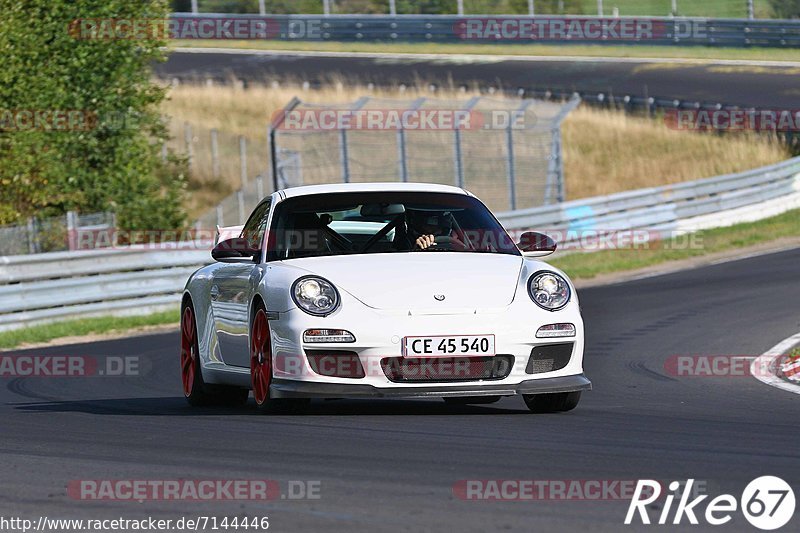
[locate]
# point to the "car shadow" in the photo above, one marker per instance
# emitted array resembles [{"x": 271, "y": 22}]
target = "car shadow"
[{"x": 177, "y": 406}]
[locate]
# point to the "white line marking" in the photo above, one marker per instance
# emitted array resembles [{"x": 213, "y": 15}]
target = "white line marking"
[
  {"x": 762, "y": 367},
  {"x": 490, "y": 58}
]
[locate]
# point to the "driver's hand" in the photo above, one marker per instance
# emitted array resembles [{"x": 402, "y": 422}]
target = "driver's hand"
[{"x": 424, "y": 242}]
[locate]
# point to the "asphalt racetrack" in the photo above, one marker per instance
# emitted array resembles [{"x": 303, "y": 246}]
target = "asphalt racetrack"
[
  {"x": 763, "y": 87},
  {"x": 392, "y": 465}
]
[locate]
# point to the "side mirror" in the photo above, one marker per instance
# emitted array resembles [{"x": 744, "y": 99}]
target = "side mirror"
[
  {"x": 236, "y": 250},
  {"x": 533, "y": 244}
]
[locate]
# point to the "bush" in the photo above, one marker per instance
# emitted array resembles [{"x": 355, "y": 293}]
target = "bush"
[
  {"x": 785, "y": 9},
  {"x": 114, "y": 162}
]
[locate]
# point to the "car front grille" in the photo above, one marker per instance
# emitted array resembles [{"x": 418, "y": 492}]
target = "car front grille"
[
  {"x": 448, "y": 369},
  {"x": 549, "y": 358}
]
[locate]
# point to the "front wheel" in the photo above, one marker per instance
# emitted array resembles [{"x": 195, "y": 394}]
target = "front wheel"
[
  {"x": 196, "y": 391},
  {"x": 552, "y": 403}
]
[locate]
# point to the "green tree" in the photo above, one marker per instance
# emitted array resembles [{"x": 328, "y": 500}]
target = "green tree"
[{"x": 113, "y": 162}]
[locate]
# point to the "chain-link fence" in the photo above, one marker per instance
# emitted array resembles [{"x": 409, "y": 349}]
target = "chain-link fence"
[
  {"x": 506, "y": 151},
  {"x": 54, "y": 234}
]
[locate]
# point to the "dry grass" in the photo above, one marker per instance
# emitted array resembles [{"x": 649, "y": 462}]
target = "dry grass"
[
  {"x": 607, "y": 152},
  {"x": 604, "y": 151}
]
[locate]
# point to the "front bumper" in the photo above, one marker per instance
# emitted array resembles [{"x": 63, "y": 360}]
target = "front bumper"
[{"x": 286, "y": 388}]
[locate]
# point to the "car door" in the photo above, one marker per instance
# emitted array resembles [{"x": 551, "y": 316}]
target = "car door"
[{"x": 232, "y": 291}]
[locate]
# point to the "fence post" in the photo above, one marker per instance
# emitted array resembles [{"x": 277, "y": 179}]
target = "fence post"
[
  {"x": 194, "y": 7},
  {"x": 751, "y": 12},
  {"x": 31, "y": 238},
  {"x": 555, "y": 171},
  {"x": 220, "y": 216},
  {"x": 214, "y": 153},
  {"x": 326, "y": 7},
  {"x": 512, "y": 173},
  {"x": 344, "y": 156},
  {"x": 599, "y": 8},
  {"x": 401, "y": 143},
  {"x": 72, "y": 230},
  {"x": 459, "y": 159},
  {"x": 187, "y": 137},
  {"x": 240, "y": 202},
  {"x": 260, "y": 187},
  {"x": 243, "y": 160}
]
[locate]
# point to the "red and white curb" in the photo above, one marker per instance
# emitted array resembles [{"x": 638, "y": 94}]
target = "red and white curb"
[{"x": 765, "y": 366}]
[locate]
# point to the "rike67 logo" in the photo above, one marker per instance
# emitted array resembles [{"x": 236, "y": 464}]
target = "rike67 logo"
[{"x": 767, "y": 503}]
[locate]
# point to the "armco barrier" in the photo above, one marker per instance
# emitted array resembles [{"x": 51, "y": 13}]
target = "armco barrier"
[
  {"x": 48, "y": 287},
  {"x": 666, "y": 31}
]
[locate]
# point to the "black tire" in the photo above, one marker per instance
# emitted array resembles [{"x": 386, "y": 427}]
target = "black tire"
[
  {"x": 552, "y": 403},
  {"x": 196, "y": 391},
  {"x": 471, "y": 400}
]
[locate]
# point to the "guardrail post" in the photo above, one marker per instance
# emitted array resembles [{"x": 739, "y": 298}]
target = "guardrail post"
[
  {"x": 262, "y": 7},
  {"x": 326, "y": 7},
  {"x": 461, "y": 7},
  {"x": 531, "y": 8},
  {"x": 751, "y": 12},
  {"x": 194, "y": 7},
  {"x": 243, "y": 160},
  {"x": 599, "y": 8},
  {"x": 392, "y": 7},
  {"x": 214, "y": 153}
]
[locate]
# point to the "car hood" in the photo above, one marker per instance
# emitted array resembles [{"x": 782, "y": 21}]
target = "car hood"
[{"x": 417, "y": 281}]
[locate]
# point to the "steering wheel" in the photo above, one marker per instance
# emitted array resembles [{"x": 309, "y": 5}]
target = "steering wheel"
[{"x": 445, "y": 243}]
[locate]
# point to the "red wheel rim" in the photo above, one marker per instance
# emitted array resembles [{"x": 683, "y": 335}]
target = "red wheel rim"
[
  {"x": 188, "y": 352},
  {"x": 260, "y": 357}
]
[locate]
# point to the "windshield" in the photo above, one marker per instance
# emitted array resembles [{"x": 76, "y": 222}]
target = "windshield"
[{"x": 384, "y": 222}]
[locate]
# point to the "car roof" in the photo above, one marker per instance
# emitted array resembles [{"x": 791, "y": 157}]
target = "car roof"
[{"x": 370, "y": 187}]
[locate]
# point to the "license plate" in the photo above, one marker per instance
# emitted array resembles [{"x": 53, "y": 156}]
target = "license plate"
[{"x": 449, "y": 346}]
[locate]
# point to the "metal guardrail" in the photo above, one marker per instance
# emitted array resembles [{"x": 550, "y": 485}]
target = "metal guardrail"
[
  {"x": 667, "y": 31},
  {"x": 65, "y": 285},
  {"x": 662, "y": 209},
  {"x": 56, "y": 286}
]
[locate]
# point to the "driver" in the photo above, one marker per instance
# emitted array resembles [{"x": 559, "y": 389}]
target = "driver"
[{"x": 424, "y": 227}]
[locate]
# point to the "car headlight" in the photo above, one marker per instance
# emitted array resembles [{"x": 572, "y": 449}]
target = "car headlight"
[
  {"x": 315, "y": 295},
  {"x": 549, "y": 290}
]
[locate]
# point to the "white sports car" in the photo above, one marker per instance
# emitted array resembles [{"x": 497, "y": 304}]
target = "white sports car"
[{"x": 380, "y": 290}]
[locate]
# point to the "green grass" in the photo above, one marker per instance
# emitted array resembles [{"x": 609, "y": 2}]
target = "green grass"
[
  {"x": 86, "y": 326},
  {"x": 702, "y": 53},
  {"x": 590, "y": 265},
  {"x": 686, "y": 8}
]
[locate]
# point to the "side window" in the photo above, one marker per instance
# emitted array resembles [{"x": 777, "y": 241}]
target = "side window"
[{"x": 256, "y": 225}]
